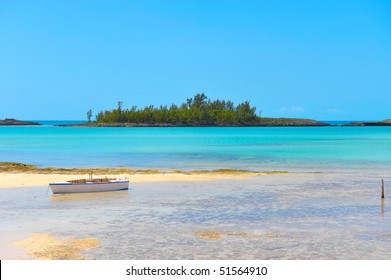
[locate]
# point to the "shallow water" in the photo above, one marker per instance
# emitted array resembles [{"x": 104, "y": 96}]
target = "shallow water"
[{"x": 300, "y": 216}]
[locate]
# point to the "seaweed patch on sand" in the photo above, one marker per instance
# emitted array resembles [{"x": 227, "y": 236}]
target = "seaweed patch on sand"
[
  {"x": 17, "y": 167},
  {"x": 218, "y": 234},
  {"x": 44, "y": 246}
]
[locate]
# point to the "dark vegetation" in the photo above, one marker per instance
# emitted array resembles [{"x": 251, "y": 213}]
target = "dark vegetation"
[{"x": 196, "y": 111}]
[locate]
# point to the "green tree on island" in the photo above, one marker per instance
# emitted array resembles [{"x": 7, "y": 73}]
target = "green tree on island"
[
  {"x": 198, "y": 110},
  {"x": 89, "y": 115}
]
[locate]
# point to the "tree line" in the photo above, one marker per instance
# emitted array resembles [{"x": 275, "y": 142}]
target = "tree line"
[{"x": 198, "y": 110}]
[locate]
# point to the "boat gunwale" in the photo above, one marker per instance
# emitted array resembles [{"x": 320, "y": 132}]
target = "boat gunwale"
[{"x": 87, "y": 182}]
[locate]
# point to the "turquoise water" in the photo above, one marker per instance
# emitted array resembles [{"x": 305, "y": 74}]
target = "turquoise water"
[
  {"x": 254, "y": 148},
  {"x": 336, "y": 213}
]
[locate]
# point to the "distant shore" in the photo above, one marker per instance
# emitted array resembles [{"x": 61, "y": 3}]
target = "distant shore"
[
  {"x": 17, "y": 122},
  {"x": 265, "y": 122},
  {"x": 376, "y": 123},
  {"x": 26, "y": 175}
]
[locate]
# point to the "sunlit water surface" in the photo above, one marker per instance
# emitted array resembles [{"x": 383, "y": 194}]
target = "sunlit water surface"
[{"x": 301, "y": 216}]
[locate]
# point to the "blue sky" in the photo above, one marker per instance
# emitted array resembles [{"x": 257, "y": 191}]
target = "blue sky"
[{"x": 326, "y": 60}]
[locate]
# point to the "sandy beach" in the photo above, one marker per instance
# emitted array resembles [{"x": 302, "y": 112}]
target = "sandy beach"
[
  {"x": 16, "y": 175},
  {"x": 14, "y": 180}
]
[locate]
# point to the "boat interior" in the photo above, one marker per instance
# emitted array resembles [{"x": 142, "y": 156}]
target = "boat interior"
[{"x": 97, "y": 180}]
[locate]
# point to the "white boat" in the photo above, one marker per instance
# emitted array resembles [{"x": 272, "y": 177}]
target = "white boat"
[{"x": 89, "y": 185}]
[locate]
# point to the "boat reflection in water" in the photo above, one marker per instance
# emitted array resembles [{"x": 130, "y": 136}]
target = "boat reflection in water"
[{"x": 92, "y": 199}]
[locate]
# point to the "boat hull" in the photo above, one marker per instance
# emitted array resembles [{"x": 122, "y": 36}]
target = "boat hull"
[{"x": 66, "y": 187}]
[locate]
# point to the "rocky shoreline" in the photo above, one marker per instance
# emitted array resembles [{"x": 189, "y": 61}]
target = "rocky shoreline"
[
  {"x": 376, "y": 123},
  {"x": 264, "y": 122},
  {"x": 17, "y": 122}
]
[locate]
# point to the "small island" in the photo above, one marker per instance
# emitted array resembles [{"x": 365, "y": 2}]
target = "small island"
[
  {"x": 374, "y": 123},
  {"x": 196, "y": 111},
  {"x": 17, "y": 122}
]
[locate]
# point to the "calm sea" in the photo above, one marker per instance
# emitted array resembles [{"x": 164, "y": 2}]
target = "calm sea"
[
  {"x": 334, "y": 214},
  {"x": 253, "y": 148}
]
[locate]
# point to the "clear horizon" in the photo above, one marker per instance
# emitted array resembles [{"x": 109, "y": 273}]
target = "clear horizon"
[{"x": 323, "y": 60}]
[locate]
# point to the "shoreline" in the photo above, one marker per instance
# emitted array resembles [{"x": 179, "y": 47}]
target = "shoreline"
[
  {"x": 264, "y": 122},
  {"x": 25, "y": 179},
  {"x": 14, "y": 175}
]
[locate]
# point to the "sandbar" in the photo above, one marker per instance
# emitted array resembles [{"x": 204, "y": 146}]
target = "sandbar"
[{"x": 16, "y": 175}]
